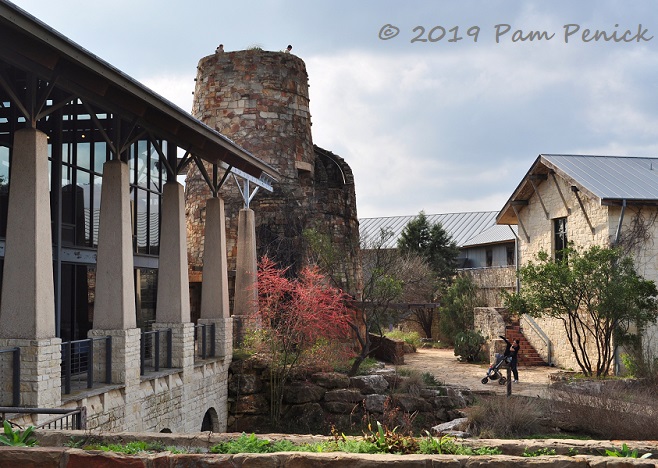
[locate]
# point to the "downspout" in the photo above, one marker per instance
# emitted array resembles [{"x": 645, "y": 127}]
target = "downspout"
[
  {"x": 516, "y": 258},
  {"x": 617, "y": 365}
]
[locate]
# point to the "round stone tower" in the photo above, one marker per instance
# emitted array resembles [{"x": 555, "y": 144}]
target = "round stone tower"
[{"x": 260, "y": 100}]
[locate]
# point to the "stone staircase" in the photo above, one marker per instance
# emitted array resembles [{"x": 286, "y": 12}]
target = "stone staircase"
[{"x": 527, "y": 356}]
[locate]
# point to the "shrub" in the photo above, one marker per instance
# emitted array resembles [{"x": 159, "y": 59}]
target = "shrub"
[
  {"x": 608, "y": 409},
  {"x": 468, "y": 345},
  {"x": 501, "y": 416}
]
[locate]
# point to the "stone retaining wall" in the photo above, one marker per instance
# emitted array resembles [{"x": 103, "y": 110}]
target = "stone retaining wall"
[
  {"x": 317, "y": 401},
  {"x": 52, "y": 453}
]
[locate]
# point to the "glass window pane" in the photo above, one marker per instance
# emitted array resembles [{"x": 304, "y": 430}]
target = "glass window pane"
[
  {"x": 4, "y": 189},
  {"x": 139, "y": 164},
  {"x": 154, "y": 225},
  {"x": 97, "y": 210},
  {"x": 84, "y": 155},
  {"x": 142, "y": 221},
  {"x": 84, "y": 212},
  {"x": 67, "y": 152},
  {"x": 100, "y": 156}
]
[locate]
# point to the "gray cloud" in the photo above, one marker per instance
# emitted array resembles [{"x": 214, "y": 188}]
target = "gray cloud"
[{"x": 443, "y": 127}]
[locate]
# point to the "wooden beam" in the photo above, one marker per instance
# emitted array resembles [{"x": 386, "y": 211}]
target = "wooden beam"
[
  {"x": 527, "y": 237},
  {"x": 574, "y": 189}
]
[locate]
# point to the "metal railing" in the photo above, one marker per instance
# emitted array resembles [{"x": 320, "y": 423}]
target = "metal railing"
[
  {"x": 150, "y": 350},
  {"x": 15, "y": 374},
  {"x": 74, "y": 419},
  {"x": 203, "y": 350},
  {"x": 537, "y": 329},
  {"x": 78, "y": 362}
]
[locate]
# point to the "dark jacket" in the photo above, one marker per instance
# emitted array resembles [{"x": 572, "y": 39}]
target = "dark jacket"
[{"x": 510, "y": 349}]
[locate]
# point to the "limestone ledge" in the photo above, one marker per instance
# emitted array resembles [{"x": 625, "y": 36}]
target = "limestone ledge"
[{"x": 52, "y": 453}]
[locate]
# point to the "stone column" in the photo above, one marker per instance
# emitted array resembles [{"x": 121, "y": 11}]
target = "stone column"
[
  {"x": 214, "y": 295},
  {"x": 27, "y": 314},
  {"x": 246, "y": 276},
  {"x": 173, "y": 302},
  {"x": 114, "y": 305}
]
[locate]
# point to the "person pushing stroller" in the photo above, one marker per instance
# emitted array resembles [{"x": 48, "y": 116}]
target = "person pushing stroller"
[
  {"x": 512, "y": 351},
  {"x": 507, "y": 359}
]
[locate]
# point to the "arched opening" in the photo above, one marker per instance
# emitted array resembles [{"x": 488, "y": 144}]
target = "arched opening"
[
  {"x": 166, "y": 430},
  {"x": 210, "y": 421}
]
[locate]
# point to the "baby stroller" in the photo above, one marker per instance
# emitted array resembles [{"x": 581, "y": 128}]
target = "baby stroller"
[{"x": 494, "y": 369}]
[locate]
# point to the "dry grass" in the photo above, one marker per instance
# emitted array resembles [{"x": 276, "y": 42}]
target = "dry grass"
[
  {"x": 501, "y": 417},
  {"x": 607, "y": 409}
]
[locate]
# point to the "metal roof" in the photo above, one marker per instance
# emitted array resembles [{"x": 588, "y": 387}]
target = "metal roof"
[
  {"x": 462, "y": 227},
  {"x": 31, "y": 45},
  {"x": 610, "y": 179},
  {"x": 495, "y": 234}
]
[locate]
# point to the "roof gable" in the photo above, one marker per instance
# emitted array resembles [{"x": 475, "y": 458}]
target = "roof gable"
[{"x": 610, "y": 179}]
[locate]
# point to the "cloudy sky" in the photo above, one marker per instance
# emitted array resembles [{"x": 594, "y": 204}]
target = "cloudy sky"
[{"x": 425, "y": 121}]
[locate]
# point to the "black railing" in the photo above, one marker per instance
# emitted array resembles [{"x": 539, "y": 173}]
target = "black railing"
[
  {"x": 150, "y": 349},
  {"x": 203, "y": 350},
  {"x": 78, "y": 362},
  {"x": 15, "y": 374},
  {"x": 74, "y": 419}
]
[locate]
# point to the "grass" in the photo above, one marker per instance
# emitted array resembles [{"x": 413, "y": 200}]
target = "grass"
[
  {"x": 378, "y": 440},
  {"x": 412, "y": 338}
]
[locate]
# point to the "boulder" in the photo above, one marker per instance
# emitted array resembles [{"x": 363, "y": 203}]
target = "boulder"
[
  {"x": 244, "y": 384},
  {"x": 454, "y": 425},
  {"x": 340, "y": 407},
  {"x": 304, "y": 419},
  {"x": 303, "y": 392},
  {"x": 331, "y": 380},
  {"x": 252, "y": 404},
  {"x": 344, "y": 395},
  {"x": 409, "y": 403},
  {"x": 369, "y": 384},
  {"x": 375, "y": 403}
]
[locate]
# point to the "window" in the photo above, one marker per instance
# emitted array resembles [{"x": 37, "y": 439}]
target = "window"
[
  {"x": 489, "y": 255},
  {"x": 510, "y": 255},
  {"x": 560, "y": 237}
]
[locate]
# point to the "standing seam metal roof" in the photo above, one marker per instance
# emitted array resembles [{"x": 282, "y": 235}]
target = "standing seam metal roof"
[
  {"x": 460, "y": 226},
  {"x": 611, "y": 177}
]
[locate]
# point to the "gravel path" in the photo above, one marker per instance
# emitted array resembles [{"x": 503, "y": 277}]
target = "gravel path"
[{"x": 446, "y": 368}]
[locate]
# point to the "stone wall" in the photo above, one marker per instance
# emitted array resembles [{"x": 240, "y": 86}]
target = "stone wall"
[
  {"x": 491, "y": 282},
  {"x": 175, "y": 399},
  {"x": 491, "y": 324},
  {"x": 387, "y": 350},
  {"x": 316, "y": 401},
  {"x": 260, "y": 100}
]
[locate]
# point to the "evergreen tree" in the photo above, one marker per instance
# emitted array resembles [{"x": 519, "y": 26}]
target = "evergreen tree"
[{"x": 431, "y": 242}]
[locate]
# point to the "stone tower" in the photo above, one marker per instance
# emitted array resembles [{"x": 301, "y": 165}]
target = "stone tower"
[{"x": 260, "y": 100}]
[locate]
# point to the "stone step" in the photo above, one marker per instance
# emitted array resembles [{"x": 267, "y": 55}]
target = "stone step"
[{"x": 527, "y": 355}]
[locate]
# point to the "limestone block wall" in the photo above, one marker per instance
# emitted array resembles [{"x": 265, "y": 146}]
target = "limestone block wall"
[
  {"x": 176, "y": 401},
  {"x": 491, "y": 281},
  {"x": 491, "y": 324}
]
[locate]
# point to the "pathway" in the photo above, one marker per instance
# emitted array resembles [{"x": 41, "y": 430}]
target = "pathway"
[{"x": 446, "y": 368}]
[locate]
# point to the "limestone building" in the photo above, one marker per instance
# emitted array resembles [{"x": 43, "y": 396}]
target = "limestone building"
[{"x": 585, "y": 200}]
